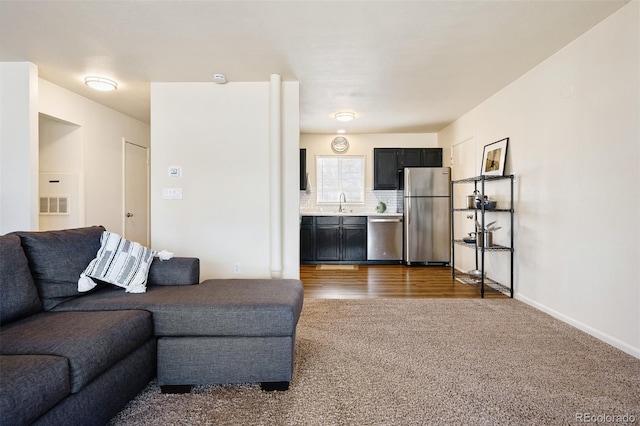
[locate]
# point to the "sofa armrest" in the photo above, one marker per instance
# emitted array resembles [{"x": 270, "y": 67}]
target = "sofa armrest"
[{"x": 175, "y": 271}]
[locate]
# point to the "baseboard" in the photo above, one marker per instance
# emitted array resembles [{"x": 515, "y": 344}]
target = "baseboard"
[{"x": 617, "y": 343}]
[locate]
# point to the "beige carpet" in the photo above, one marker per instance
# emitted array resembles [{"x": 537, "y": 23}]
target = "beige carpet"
[{"x": 422, "y": 362}]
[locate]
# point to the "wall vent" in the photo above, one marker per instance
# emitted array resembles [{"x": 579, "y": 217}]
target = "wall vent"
[{"x": 55, "y": 205}]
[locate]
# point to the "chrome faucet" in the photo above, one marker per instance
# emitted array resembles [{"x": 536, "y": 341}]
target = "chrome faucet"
[{"x": 342, "y": 198}]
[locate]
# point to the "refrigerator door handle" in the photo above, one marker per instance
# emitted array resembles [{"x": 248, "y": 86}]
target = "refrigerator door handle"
[{"x": 408, "y": 210}]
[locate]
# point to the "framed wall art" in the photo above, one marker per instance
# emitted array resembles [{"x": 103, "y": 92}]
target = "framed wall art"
[{"x": 494, "y": 158}]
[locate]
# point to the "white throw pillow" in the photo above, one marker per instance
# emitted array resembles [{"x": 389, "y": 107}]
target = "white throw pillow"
[{"x": 120, "y": 262}]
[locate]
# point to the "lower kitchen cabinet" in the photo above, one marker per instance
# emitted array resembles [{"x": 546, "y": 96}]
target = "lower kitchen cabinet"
[
  {"x": 354, "y": 238},
  {"x": 328, "y": 243},
  {"x": 307, "y": 239},
  {"x": 333, "y": 239}
]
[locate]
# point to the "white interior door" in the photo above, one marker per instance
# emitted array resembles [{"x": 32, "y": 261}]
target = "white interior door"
[
  {"x": 464, "y": 160},
  {"x": 464, "y": 166},
  {"x": 136, "y": 193}
]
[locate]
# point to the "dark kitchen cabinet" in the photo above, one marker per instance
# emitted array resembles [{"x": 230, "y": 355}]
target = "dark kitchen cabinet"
[
  {"x": 354, "y": 238},
  {"x": 328, "y": 243},
  {"x": 410, "y": 157},
  {"x": 385, "y": 168},
  {"x": 432, "y": 157},
  {"x": 307, "y": 239},
  {"x": 303, "y": 169},
  {"x": 388, "y": 164},
  {"x": 333, "y": 239},
  {"x": 328, "y": 238}
]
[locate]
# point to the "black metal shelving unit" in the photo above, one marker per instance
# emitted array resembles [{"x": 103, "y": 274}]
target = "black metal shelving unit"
[{"x": 479, "y": 215}]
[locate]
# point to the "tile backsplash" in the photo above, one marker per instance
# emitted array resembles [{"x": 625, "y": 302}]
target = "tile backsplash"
[{"x": 393, "y": 200}]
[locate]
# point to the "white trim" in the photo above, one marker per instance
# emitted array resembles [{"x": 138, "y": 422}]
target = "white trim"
[
  {"x": 124, "y": 187},
  {"x": 320, "y": 187},
  {"x": 276, "y": 172},
  {"x": 617, "y": 343}
]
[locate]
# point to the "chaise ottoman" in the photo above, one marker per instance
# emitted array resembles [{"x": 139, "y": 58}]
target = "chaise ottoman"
[{"x": 218, "y": 331}]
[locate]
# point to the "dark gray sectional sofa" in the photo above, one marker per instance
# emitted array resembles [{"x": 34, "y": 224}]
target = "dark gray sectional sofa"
[{"x": 70, "y": 358}]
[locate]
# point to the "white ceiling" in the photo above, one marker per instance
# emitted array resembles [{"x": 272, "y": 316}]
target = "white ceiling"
[{"x": 401, "y": 66}]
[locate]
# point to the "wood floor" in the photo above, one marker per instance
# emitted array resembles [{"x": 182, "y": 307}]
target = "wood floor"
[{"x": 396, "y": 281}]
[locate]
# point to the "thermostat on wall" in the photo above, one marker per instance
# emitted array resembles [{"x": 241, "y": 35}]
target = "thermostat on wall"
[{"x": 175, "y": 171}]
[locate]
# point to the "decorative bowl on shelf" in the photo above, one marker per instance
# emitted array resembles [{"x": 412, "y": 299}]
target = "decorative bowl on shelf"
[{"x": 488, "y": 204}]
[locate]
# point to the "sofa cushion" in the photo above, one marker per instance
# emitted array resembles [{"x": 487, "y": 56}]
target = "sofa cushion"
[
  {"x": 91, "y": 341},
  {"x": 57, "y": 258},
  {"x": 223, "y": 307},
  {"x": 175, "y": 271},
  {"x": 30, "y": 385},
  {"x": 119, "y": 262},
  {"x": 18, "y": 293}
]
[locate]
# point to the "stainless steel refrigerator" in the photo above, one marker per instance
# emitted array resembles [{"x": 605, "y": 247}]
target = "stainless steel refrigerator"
[{"x": 427, "y": 215}]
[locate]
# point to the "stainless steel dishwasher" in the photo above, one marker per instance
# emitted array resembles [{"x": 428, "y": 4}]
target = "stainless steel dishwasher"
[{"x": 384, "y": 238}]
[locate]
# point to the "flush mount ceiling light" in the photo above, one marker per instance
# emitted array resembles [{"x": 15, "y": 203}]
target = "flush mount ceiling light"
[
  {"x": 219, "y": 78},
  {"x": 345, "y": 116},
  {"x": 101, "y": 83}
]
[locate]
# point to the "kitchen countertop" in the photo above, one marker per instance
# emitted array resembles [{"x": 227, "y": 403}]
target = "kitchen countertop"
[{"x": 385, "y": 214}]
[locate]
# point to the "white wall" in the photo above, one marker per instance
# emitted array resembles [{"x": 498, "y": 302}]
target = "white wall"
[
  {"x": 575, "y": 145},
  {"x": 24, "y": 95},
  {"x": 219, "y": 136},
  {"x": 101, "y": 131},
  {"x": 360, "y": 144},
  {"x": 60, "y": 153},
  {"x": 18, "y": 146},
  {"x": 363, "y": 144}
]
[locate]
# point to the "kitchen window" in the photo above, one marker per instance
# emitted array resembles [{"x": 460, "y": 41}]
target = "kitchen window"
[{"x": 340, "y": 174}]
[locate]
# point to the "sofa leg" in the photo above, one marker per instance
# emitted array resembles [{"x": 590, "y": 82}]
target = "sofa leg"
[
  {"x": 274, "y": 386},
  {"x": 176, "y": 388}
]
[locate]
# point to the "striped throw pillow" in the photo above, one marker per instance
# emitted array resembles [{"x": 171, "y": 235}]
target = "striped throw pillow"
[{"x": 120, "y": 262}]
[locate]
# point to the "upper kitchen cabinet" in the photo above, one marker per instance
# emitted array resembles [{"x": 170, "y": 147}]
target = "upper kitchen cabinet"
[
  {"x": 432, "y": 157},
  {"x": 388, "y": 164},
  {"x": 303, "y": 169},
  {"x": 385, "y": 168},
  {"x": 410, "y": 157}
]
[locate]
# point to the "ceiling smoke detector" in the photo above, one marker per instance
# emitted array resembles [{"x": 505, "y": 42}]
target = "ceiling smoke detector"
[{"x": 219, "y": 78}]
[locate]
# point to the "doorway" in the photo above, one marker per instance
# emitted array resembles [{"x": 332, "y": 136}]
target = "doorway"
[
  {"x": 463, "y": 166},
  {"x": 61, "y": 180},
  {"x": 136, "y": 193}
]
